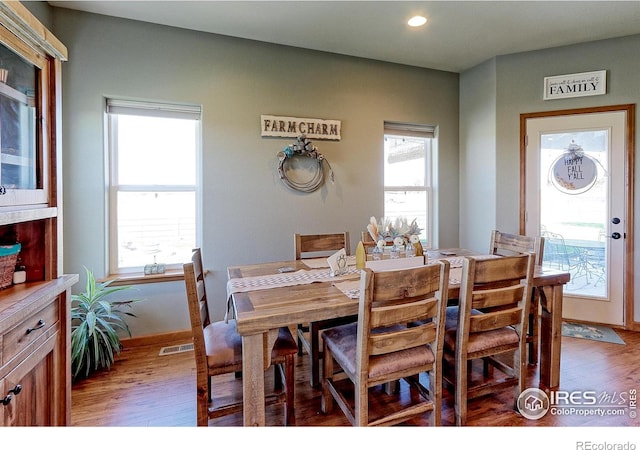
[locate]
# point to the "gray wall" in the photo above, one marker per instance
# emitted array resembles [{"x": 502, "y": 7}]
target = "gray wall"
[
  {"x": 249, "y": 215},
  {"x": 237, "y": 80},
  {"x": 478, "y": 171},
  {"x": 518, "y": 89}
]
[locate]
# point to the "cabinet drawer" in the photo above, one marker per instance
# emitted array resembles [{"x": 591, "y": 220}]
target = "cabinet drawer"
[{"x": 19, "y": 337}]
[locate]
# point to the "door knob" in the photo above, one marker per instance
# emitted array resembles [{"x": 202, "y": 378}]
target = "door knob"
[
  {"x": 616, "y": 235},
  {"x": 615, "y": 220}
]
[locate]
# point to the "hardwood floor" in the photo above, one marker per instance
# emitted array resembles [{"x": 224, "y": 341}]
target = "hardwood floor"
[{"x": 143, "y": 389}]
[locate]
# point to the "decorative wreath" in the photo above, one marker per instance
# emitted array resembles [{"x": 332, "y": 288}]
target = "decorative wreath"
[{"x": 303, "y": 147}]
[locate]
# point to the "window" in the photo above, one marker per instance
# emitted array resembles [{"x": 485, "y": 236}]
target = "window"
[
  {"x": 154, "y": 188},
  {"x": 407, "y": 175}
]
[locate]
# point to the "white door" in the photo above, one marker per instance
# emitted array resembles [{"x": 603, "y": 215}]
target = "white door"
[{"x": 575, "y": 198}]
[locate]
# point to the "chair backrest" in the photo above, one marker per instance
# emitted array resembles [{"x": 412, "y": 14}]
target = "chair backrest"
[
  {"x": 316, "y": 245},
  {"x": 500, "y": 288},
  {"x": 416, "y": 296},
  {"x": 198, "y": 310},
  {"x": 506, "y": 244},
  {"x": 367, "y": 240}
]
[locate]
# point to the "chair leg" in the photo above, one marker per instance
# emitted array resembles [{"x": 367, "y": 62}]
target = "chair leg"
[
  {"x": 460, "y": 394},
  {"x": 435, "y": 394},
  {"x": 533, "y": 331},
  {"x": 361, "y": 415},
  {"x": 290, "y": 383},
  {"x": 314, "y": 342},
  {"x": 277, "y": 377},
  {"x": 326, "y": 400},
  {"x": 301, "y": 329}
]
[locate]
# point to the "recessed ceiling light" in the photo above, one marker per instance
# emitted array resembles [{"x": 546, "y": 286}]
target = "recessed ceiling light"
[{"x": 417, "y": 21}]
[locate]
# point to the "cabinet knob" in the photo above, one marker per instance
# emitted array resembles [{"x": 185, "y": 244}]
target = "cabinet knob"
[{"x": 5, "y": 401}]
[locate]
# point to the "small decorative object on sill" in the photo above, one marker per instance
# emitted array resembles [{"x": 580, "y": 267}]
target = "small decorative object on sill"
[
  {"x": 8, "y": 259},
  {"x": 303, "y": 147},
  {"x": 154, "y": 269}
]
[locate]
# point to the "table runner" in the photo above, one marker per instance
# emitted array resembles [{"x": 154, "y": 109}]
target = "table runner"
[
  {"x": 302, "y": 276},
  {"x": 299, "y": 277},
  {"x": 321, "y": 275},
  {"x": 351, "y": 288}
]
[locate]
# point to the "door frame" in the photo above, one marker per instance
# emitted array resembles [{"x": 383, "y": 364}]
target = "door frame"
[{"x": 629, "y": 162}]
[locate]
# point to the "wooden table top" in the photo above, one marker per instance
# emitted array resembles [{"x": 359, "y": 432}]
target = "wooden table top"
[{"x": 261, "y": 310}]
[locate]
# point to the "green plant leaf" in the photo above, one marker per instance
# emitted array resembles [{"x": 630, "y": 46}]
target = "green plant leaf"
[{"x": 95, "y": 324}]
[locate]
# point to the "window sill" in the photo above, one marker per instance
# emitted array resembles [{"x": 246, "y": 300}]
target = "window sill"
[{"x": 141, "y": 278}]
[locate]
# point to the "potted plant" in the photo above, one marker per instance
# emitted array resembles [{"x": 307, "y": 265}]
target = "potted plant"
[{"x": 95, "y": 322}]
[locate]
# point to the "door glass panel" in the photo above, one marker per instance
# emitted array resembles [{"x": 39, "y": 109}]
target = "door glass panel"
[
  {"x": 17, "y": 121},
  {"x": 574, "y": 217}
]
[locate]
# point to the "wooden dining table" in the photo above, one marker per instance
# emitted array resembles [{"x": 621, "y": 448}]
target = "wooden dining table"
[{"x": 262, "y": 303}]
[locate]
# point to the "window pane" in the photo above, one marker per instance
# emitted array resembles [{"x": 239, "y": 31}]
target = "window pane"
[
  {"x": 18, "y": 84},
  {"x": 155, "y": 224},
  {"x": 410, "y": 205},
  {"x": 156, "y": 151},
  {"x": 404, "y": 160}
]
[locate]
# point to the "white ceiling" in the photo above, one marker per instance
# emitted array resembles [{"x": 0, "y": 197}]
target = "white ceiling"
[{"x": 457, "y": 36}]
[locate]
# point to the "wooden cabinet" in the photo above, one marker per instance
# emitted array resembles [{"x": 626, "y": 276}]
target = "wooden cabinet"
[{"x": 35, "y": 362}]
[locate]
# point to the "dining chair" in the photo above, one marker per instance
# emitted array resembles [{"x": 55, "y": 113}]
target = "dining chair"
[
  {"x": 218, "y": 351},
  {"x": 490, "y": 324},
  {"x": 312, "y": 246},
  {"x": 512, "y": 244},
  {"x": 399, "y": 335}
]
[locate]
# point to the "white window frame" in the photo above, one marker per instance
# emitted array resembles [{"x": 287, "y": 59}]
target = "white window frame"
[
  {"x": 424, "y": 131},
  {"x": 115, "y": 106}
]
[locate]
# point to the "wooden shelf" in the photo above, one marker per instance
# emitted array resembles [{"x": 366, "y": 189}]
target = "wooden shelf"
[{"x": 8, "y": 216}]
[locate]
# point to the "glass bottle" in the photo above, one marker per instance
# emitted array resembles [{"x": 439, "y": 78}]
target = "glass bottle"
[
  {"x": 410, "y": 250},
  {"x": 377, "y": 253}
]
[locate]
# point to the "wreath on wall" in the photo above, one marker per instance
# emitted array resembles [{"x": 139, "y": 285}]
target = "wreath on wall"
[{"x": 303, "y": 147}]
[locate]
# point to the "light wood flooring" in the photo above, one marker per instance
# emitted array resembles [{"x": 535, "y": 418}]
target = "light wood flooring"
[{"x": 143, "y": 389}]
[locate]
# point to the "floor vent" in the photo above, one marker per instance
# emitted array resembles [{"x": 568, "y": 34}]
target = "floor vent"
[{"x": 176, "y": 349}]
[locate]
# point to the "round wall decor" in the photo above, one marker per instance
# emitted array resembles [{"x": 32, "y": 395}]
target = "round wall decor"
[{"x": 302, "y": 148}]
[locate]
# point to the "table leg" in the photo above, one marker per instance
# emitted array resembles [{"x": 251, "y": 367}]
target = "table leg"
[
  {"x": 253, "y": 380},
  {"x": 550, "y": 335}
]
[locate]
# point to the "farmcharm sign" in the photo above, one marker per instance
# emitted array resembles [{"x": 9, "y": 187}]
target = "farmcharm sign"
[
  {"x": 575, "y": 85},
  {"x": 280, "y": 126}
]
